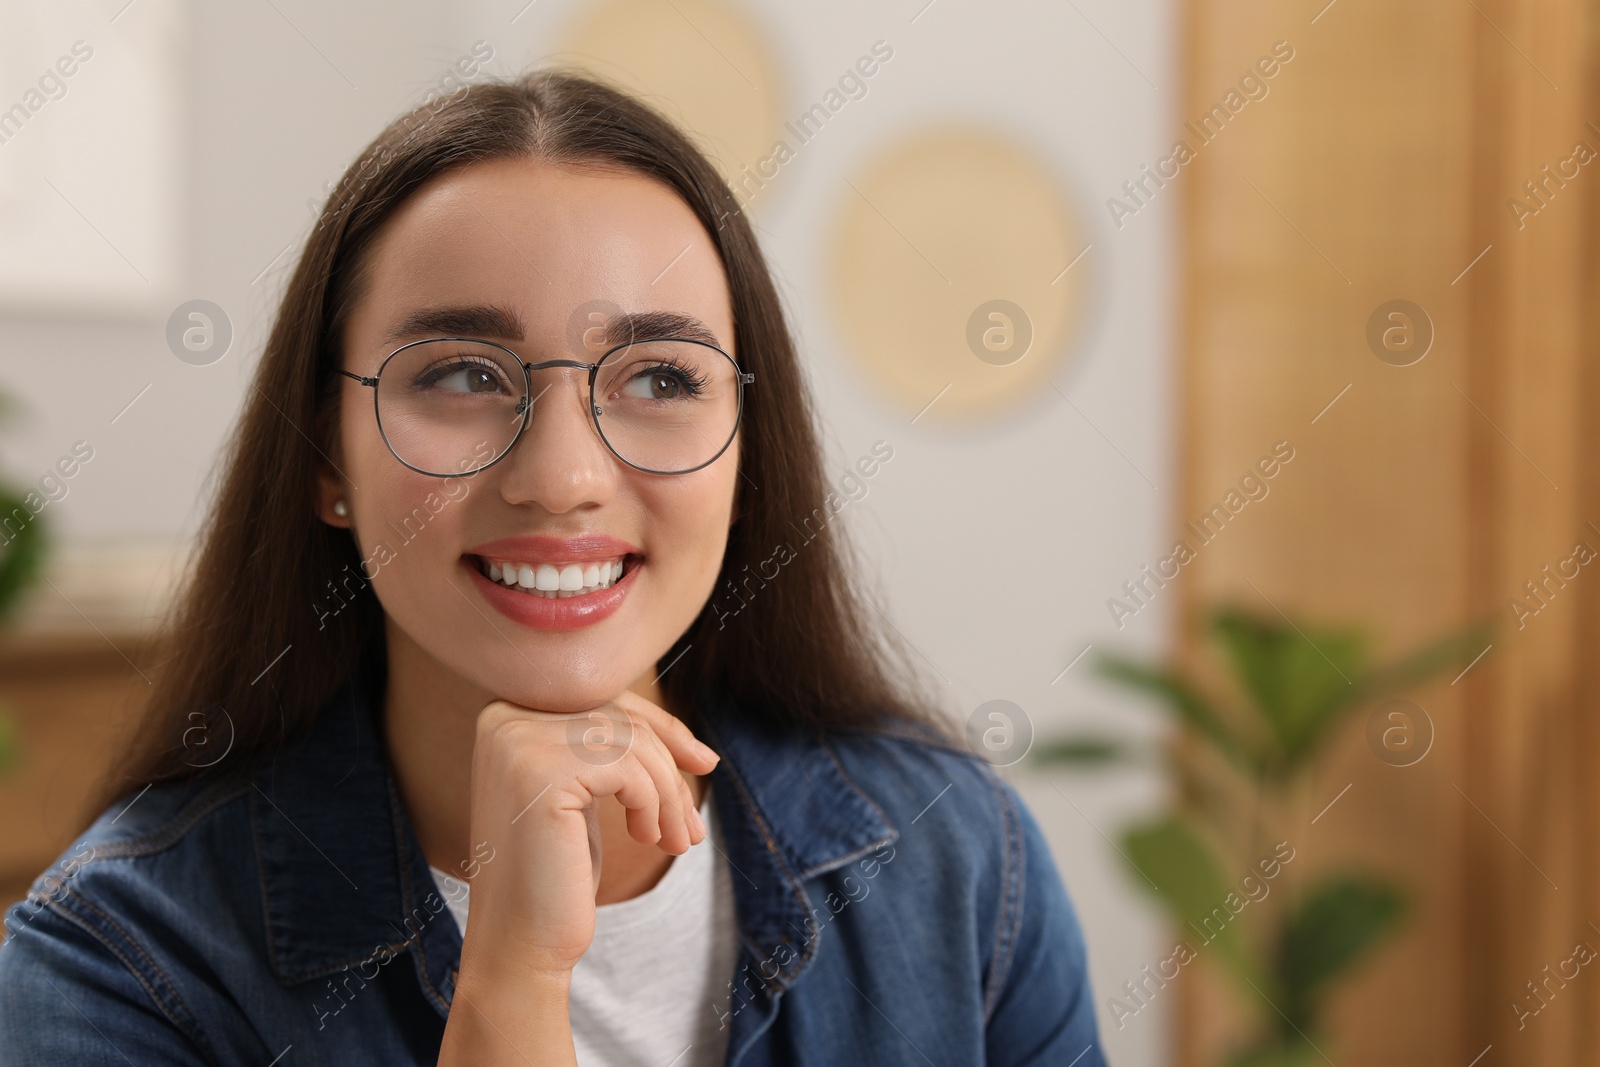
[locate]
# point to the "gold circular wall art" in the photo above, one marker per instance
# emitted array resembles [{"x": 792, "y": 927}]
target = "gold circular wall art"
[
  {"x": 958, "y": 276},
  {"x": 705, "y": 66}
]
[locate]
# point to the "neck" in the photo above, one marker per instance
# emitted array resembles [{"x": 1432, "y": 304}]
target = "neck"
[{"x": 430, "y": 724}]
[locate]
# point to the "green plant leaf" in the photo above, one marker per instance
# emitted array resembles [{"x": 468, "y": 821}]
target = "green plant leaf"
[
  {"x": 1170, "y": 857},
  {"x": 1445, "y": 654},
  {"x": 1189, "y": 705},
  {"x": 1299, "y": 677},
  {"x": 22, "y": 557},
  {"x": 1451, "y": 651},
  {"x": 1087, "y": 752},
  {"x": 1339, "y": 920}
]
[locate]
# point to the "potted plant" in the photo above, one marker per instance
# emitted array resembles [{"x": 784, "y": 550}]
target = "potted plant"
[{"x": 1241, "y": 774}]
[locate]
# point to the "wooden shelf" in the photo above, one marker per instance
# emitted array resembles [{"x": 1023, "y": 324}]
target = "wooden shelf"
[{"x": 66, "y": 694}]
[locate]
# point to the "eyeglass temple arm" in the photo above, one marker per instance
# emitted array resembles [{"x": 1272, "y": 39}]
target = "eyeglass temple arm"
[{"x": 370, "y": 382}]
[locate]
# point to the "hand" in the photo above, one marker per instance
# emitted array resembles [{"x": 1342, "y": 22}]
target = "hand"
[{"x": 536, "y": 777}]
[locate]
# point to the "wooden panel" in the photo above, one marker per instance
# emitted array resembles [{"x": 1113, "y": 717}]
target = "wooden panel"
[
  {"x": 1530, "y": 877},
  {"x": 1379, "y": 167}
]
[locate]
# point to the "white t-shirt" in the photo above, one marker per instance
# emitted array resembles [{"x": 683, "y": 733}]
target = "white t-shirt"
[{"x": 648, "y": 991}]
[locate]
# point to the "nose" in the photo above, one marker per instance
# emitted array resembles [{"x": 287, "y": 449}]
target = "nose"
[{"x": 560, "y": 462}]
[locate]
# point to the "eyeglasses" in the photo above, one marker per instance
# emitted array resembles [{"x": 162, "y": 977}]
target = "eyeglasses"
[{"x": 452, "y": 406}]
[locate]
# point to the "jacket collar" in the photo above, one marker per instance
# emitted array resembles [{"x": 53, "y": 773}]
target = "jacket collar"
[
  {"x": 345, "y": 884},
  {"x": 327, "y": 847},
  {"x": 788, "y": 812}
]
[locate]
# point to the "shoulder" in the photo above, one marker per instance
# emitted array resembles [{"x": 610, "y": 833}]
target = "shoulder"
[
  {"x": 927, "y": 782},
  {"x": 967, "y": 836},
  {"x": 107, "y": 918},
  {"x": 963, "y": 836},
  {"x": 136, "y": 843},
  {"x": 158, "y": 847}
]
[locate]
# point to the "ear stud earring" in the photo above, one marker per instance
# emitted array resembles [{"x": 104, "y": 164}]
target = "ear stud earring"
[{"x": 340, "y": 508}]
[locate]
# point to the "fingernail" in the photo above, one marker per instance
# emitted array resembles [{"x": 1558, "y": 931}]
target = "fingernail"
[
  {"x": 708, "y": 750},
  {"x": 700, "y": 822}
]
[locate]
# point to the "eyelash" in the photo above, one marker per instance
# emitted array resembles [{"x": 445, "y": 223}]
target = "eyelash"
[
  {"x": 692, "y": 380},
  {"x": 451, "y": 364}
]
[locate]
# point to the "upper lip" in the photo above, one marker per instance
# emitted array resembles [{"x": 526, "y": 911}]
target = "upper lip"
[{"x": 535, "y": 549}]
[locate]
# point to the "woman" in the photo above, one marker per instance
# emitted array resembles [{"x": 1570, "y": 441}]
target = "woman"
[{"x": 521, "y": 578}]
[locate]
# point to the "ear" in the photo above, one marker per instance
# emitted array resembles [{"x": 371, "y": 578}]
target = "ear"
[{"x": 331, "y": 489}]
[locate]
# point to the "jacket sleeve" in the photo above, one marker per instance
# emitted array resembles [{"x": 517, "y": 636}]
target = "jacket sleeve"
[
  {"x": 68, "y": 995},
  {"x": 1045, "y": 1011}
]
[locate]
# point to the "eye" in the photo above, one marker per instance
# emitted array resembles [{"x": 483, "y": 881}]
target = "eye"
[
  {"x": 463, "y": 376},
  {"x": 663, "y": 383},
  {"x": 654, "y": 385}
]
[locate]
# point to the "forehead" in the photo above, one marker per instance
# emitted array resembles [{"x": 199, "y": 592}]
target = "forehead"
[{"x": 547, "y": 243}]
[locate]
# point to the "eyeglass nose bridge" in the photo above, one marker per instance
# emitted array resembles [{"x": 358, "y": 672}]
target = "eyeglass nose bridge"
[
  {"x": 591, "y": 367},
  {"x": 528, "y": 368}
]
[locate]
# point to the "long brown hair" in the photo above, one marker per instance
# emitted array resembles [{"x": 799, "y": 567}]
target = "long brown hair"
[{"x": 246, "y": 642}]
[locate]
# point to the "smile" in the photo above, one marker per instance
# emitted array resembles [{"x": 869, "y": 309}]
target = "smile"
[{"x": 554, "y": 581}]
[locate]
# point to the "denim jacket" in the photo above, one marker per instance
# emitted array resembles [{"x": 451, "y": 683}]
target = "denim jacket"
[{"x": 896, "y": 904}]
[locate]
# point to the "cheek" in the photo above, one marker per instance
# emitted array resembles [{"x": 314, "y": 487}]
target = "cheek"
[
  {"x": 363, "y": 457},
  {"x": 688, "y": 527},
  {"x": 408, "y": 525},
  {"x": 412, "y": 532}
]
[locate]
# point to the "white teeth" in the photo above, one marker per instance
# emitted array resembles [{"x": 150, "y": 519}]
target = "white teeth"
[{"x": 548, "y": 580}]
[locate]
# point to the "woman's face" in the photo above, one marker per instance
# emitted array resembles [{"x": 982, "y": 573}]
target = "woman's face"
[{"x": 536, "y": 257}]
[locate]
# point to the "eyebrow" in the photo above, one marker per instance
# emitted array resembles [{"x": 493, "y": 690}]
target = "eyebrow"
[{"x": 504, "y": 324}]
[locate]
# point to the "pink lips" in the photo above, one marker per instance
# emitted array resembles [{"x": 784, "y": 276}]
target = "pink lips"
[
  {"x": 532, "y": 549},
  {"x": 544, "y": 613}
]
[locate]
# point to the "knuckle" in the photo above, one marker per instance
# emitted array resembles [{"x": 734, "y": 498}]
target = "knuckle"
[{"x": 492, "y": 715}]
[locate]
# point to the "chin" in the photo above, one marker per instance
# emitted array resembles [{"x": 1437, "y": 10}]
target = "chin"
[{"x": 566, "y": 692}]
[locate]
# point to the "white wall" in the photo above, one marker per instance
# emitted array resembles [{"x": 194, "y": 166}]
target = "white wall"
[{"x": 274, "y": 105}]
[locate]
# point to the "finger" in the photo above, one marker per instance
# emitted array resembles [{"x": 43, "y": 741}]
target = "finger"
[
  {"x": 653, "y": 754},
  {"x": 690, "y": 752},
  {"x": 697, "y": 832},
  {"x": 635, "y": 789},
  {"x": 690, "y": 820},
  {"x": 624, "y": 735}
]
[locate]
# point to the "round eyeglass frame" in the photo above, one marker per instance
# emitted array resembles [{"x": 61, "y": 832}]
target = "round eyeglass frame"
[{"x": 741, "y": 379}]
